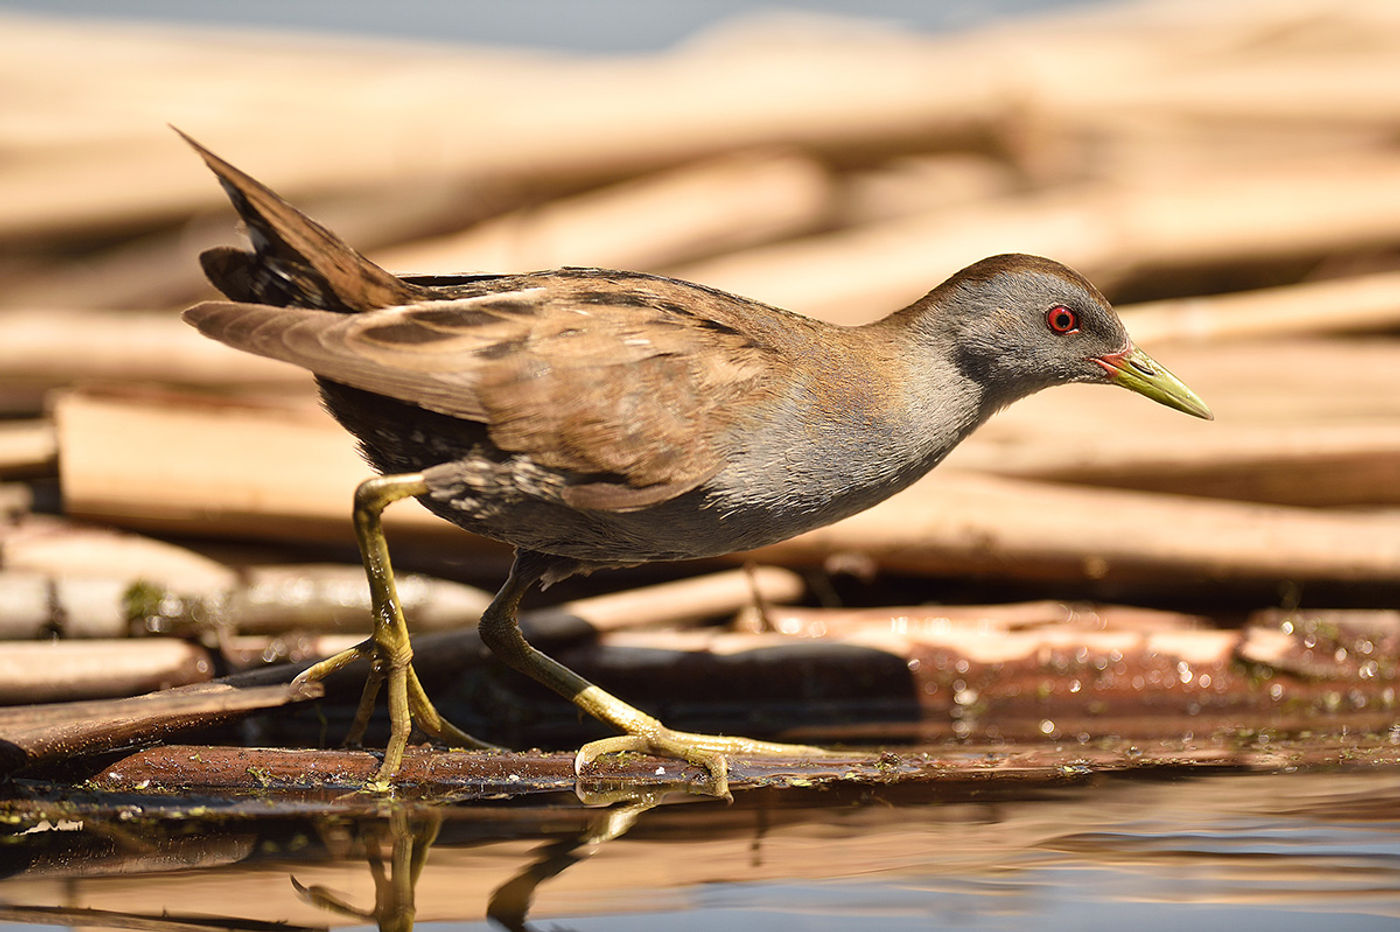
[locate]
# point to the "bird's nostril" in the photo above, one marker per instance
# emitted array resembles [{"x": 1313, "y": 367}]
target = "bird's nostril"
[{"x": 1142, "y": 367}]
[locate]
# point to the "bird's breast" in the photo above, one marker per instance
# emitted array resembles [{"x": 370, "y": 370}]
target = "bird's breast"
[{"x": 825, "y": 454}]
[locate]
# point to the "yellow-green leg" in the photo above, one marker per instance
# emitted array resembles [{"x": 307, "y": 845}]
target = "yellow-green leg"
[
  {"x": 388, "y": 648},
  {"x": 500, "y": 631}
]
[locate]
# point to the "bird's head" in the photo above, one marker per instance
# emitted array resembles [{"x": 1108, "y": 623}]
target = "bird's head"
[{"x": 1021, "y": 323}]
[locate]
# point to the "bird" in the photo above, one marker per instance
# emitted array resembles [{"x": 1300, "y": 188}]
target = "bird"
[{"x": 596, "y": 418}]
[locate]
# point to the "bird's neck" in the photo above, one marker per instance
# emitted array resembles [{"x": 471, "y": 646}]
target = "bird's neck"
[
  {"x": 928, "y": 330},
  {"x": 913, "y": 389}
]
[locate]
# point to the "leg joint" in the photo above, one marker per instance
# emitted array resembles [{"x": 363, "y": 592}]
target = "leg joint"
[
  {"x": 373, "y": 495},
  {"x": 501, "y": 633}
]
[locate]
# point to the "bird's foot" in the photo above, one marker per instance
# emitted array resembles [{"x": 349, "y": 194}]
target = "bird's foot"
[
  {"x": 391, "y": 665},
  {"x": 709, "y": 751}
]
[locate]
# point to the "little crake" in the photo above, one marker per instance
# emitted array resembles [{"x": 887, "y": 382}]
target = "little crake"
[{"x": 595, "y": 418}]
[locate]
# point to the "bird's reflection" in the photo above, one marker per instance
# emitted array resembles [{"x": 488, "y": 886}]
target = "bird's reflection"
[
  {"x": 980, "y": 848},
  {"x": 510, "y": 903},
  {"x": 407, "y": 834}
]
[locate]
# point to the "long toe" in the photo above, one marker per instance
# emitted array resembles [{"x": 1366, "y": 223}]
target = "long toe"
[
  {"x": 712, "y": 752},
  {"x": 665, "y": 744}
]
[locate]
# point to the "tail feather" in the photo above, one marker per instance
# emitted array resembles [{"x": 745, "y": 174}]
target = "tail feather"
[{"x": 296, "y": 261}]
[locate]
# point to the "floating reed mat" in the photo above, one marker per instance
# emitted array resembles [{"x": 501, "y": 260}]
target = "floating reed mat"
[
  {"x": 87, "y": 633},
  {"x": 465, "y": 776},
  {"x": 1015, "y": 673}
]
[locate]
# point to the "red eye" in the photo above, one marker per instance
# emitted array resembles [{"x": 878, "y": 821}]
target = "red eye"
[{"x": 1062, "y": 320}]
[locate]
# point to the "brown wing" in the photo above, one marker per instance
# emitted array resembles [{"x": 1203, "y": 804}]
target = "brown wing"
[
  {"x": 625, "y": 382},
  {"x": 628, "y": 384}
]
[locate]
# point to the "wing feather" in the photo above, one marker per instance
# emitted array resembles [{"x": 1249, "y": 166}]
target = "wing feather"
[{"x": 631, "y": 399}]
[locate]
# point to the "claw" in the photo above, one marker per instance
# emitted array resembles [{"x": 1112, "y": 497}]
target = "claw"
[{"x": 671, "y": 744}]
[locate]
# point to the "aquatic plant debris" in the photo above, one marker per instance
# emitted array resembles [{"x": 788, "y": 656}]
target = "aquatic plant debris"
[{"x": 232, "y": 772}]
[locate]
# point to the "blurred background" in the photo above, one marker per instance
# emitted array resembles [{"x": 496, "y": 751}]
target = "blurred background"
[
  {"x": 1226, "y": 173},
  {"x": 609, "y": 26},
  {"x": 1092, "y": 580}
]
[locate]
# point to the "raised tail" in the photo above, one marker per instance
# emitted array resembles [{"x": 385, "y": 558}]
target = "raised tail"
[{"x": 295, "y": 261}]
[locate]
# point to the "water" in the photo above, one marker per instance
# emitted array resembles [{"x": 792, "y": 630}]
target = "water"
[{"x": 1234, "y": 851}]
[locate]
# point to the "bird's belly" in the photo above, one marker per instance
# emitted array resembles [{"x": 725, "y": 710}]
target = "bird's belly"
[
  {"x": 747, "y": 505},
  {"x": 701, "y": 523}
]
